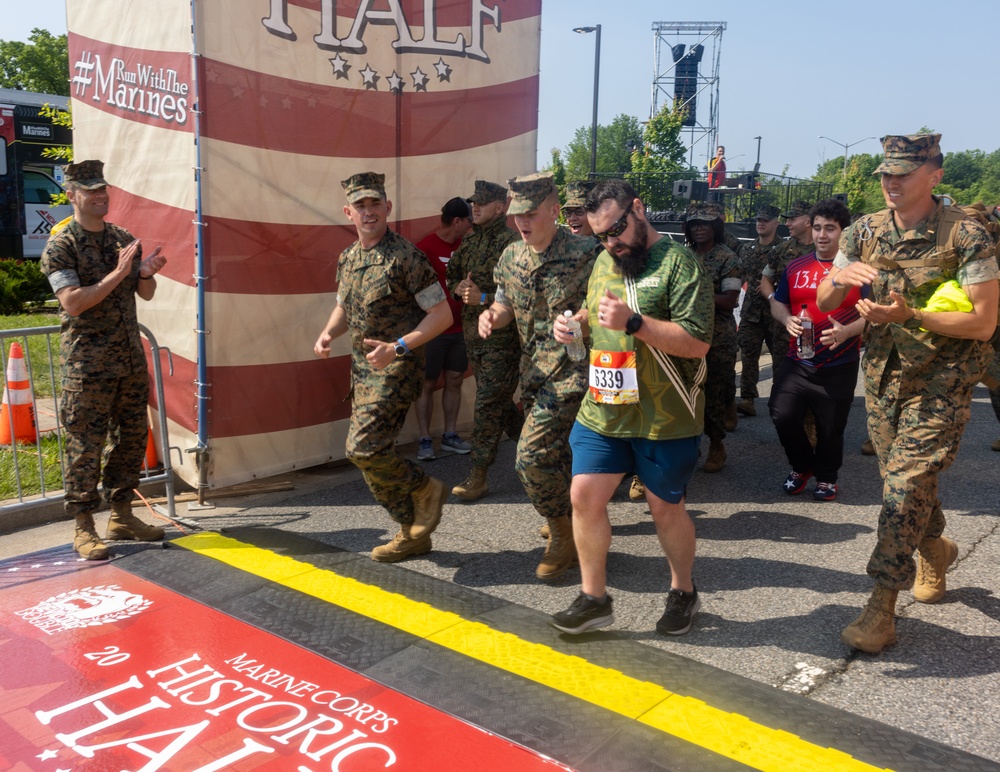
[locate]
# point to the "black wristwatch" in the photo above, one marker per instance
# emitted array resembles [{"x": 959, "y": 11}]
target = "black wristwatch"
[
  {"x": 400, "y": 348},
  {"x": 633, "y": 324}
]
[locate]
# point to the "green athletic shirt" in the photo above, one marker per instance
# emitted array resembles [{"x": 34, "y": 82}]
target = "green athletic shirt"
[{"x": 672, "y": 287}]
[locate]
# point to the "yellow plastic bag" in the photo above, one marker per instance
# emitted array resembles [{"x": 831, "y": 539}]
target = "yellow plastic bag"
[{"x": 948, "y": 297}]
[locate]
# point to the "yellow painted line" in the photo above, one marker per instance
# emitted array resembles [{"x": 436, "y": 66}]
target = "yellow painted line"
[{"x": 728, "y": 734}]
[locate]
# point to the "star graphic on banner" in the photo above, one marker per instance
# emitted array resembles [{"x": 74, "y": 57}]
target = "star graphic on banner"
[
  {"x": 238, "y": 91},
  {"x": 263, "y": 100},
  {"x": 370, "y": 77},
  {"x": 311, "y": 101},
  {"x": 395, "y": 83},
  {"x": 213, "y": 75},
  {"x": 46, "y": 755},
  {"x": 340, "y": 66},
  {"x": 443, "y": 70},
  {"x": 419, "y": 80},
  {"x": 286, "y": 103}
]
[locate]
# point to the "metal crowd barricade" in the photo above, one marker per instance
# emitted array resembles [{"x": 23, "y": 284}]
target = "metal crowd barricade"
[{"x": 14, "y": 499}]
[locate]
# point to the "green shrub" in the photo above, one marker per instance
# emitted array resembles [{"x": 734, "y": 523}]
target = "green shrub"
[{"x": 22, "y": 284}]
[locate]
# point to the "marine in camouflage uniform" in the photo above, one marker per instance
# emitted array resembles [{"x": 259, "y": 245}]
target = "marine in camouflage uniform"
[
  {"x": 390, "y": 301},
  {"x": 791, "y": 249},
  {"x": 533, "y": 287},
  {"x": 722, "y": 267},
  {"x": 105, "y": 382},
  {"x": 756, "y": 324},
  {"x": 918, "y": 384},
  {"x": 494, "y": 360}
]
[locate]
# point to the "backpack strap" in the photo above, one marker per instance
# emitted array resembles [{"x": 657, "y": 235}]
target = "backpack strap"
[{"x": 945, "y": 250}]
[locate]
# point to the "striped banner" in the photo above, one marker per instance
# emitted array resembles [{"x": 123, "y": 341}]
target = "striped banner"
[{"x": 294, "y": 96}]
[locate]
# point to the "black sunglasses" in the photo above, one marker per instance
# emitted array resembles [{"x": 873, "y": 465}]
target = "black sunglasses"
[{"x": 617, "y": 229}]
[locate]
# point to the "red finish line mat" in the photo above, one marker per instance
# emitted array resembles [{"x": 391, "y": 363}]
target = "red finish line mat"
[
  {"x": 263, "y": 649},
  {"x": 103, "y": 670}
]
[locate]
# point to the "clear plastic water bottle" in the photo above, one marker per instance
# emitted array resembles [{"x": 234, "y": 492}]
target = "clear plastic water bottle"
[
  {"x": 575, "y": 349},
  {"x": 806, "y": 342}
]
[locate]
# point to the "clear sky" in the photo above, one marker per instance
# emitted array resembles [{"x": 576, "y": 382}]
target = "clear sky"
[{"x": 790, "y": 71}]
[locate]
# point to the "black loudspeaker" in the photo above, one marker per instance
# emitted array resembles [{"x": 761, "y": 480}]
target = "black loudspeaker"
[
  {"x": 841, "y": 197},
  {"x": 693, "y": 189}
]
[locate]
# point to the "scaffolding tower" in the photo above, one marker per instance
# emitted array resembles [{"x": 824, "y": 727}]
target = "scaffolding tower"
[{"x": 686, "y": 75}]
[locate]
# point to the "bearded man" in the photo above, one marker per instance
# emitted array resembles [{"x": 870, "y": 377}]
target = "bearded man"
[{"x": 649, "y": 314}]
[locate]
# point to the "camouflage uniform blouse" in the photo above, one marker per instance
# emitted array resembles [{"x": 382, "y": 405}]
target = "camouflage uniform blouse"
[
  {"x": 103, "y": 341},
  {"x": 723, "y": 270},
  {"x": 386, "y": 292},
  {"x": 789, "y": 250},
  {"x": 478, "y": 254},
  {"x": 537, "y": 287},
  {"x": 754, "y": 259},
  {"x": 931, "y": 363}
]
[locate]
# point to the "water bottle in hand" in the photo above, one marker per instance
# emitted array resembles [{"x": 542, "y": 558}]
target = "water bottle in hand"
[
  {"x": 806, "y": 342},
  {"x": 575, "y": 348}
]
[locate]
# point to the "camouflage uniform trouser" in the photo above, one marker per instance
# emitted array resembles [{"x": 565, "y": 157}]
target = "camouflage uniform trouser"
[
  {"x": 720, "y": 386},
  {"x": 93, "y": 411},
  {"x": 371, "y": 447},
  {"x": 995, "y": 401},
  {"x": 497, "y": 373},
  {"x": 916, "y": 438},
  {"x": 752, "y": 336},
  {"x": 544, "y": 460}
]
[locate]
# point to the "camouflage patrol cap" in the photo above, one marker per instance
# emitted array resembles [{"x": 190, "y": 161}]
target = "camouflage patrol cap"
[
  {"x": 487, "y": 192},
  {"x": 767, "y": 212},
  {"x": 364, "y": 185},
  {"x": 88, "y": 175},
  {"x": 706, "y": 211},
  {"x": 576, "y": 193},
  {"x": 904, "y": 153},
  {"x": 797, "y": 209},
  {"x": 528, "y": 192}
]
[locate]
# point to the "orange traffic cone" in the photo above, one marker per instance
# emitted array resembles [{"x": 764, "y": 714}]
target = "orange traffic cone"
[
  {"x": 17, "y": 414},
  {"x": 152, "y": 460}
]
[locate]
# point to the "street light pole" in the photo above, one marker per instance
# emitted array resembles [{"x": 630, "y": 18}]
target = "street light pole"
[
  {"x": 597, "y": 80},
  {"x": 847, "y": 146}
]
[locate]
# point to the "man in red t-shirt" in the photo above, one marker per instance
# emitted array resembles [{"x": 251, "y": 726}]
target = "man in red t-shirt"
[
  {"x": 717, "y": 169},
  {"x": 823, "y": 380},
  {"x": 447, "y": 351}
]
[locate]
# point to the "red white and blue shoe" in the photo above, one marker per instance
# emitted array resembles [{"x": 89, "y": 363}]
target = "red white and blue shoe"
[
  {"x": 825, "y": 491},
  {"x": 796, "y": 482}
]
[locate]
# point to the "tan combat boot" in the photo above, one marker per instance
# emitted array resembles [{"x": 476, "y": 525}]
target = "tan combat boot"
[
  {"x": 124, "y": 526},
  {"x": 86, "y": 541},
  {"x": 746, "y": 407},
  {"x": 867, "y": 448},
  {"x": 544, "y": 531},
  {"x": 716, "y": 457},
  {"x": 636, "y": 491},
  {"x": 933, "y": 558},
  {"x": 731, "y": 417},
  {"x": 402, "y": 546},
  {"x": 876, "y": 627},
  {"x": 474, "y": 487},
  {"x": 560, "y": 552},
  {"x": 428, "y": 503}
]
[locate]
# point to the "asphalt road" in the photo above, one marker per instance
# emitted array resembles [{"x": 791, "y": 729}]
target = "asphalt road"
[{"x": 779, "y": 576}]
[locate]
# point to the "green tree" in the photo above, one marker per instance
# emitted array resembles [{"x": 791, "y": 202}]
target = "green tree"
[
  {"x": 660, "y": 160},
  {"x": 863, "y": 189},
  {"x": 40, "y": 65},
  {"x": 614, "y": 143}
]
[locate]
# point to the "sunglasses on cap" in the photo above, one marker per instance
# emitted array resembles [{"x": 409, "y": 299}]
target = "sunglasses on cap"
[{"x": 617, "y": 229}]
